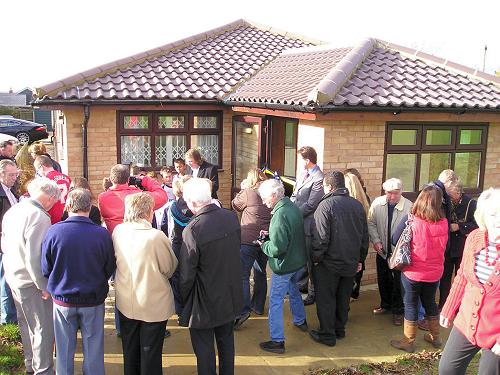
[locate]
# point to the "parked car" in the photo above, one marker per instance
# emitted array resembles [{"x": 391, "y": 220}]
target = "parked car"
[{"x": 24, "y": 131}]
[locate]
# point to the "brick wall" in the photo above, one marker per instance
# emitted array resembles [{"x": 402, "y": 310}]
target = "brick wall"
[{"x": 492, "y": 168}]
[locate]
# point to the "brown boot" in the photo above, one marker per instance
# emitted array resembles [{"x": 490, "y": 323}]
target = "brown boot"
[
  {"x": 407, "y": 342},
  {"x": 433, "y": 335}
]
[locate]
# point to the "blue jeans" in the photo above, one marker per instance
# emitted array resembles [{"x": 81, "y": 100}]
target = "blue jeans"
[
  {"x": 415, "y": 290},
  {"x": 90, "y": 321},
  {"x": 8, "y": 312},
  {"x": 280, "y": 286},
  {"x": 252, "y": 256}
]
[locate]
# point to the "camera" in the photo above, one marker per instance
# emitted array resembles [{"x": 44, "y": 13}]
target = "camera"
[
  {"x": 134, "y": 181},
  {"x": 262, "y": 238}
]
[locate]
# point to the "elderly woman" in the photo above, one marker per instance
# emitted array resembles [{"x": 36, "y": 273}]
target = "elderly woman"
[
  {"x": 255, "y": 216},
  {"x": 287, "y": 258},
  {"x": 475, "y": 294},
  {"x": 145, "y": 261}
]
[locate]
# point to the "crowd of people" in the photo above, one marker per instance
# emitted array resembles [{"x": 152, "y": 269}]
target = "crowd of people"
[{"x": 169, "y": 248}]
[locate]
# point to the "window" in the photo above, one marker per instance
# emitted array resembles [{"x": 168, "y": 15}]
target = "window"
[
  {"x": 154, "y": 139},
  {"x": 417, "y": 153},
  {"x": 290, "y": 164}
]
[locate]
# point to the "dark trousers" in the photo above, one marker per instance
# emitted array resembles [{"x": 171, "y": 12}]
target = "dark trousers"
[
  {"x": 333, "y": 293},
  {"x": 458, "y": 353},
  {"x": 450, "y": 265},
  {"x": 203, "y": 346},
  {"x": 413, "y": 290},
  {"x": 357, "y": 282},
  {"x": 142, "y": 344},
  {"x": 389, "y": 287},
  {"x": 252, "y": 257}
]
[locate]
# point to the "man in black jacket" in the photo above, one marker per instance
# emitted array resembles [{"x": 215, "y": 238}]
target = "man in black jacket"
[
  {"x": 197, "y": 167},
  {"x": 340, "y": 245},
  {"x": 210, "y": 278}
]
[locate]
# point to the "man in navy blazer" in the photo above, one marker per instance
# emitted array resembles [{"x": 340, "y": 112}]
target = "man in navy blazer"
[
  {"x": 307, "y": 193},
  {"x": 197, "y": 167}
]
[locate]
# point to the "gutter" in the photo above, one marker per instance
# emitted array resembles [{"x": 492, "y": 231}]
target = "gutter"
[
  {"x": 49, "y": 102},
  {"x": 398, "y": 110},
  {"x": 273, "y": 106},
  {"x": 85, "y": 124}
]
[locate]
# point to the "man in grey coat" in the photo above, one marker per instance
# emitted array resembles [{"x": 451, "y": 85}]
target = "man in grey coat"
[{"x": 306, "y": 195}]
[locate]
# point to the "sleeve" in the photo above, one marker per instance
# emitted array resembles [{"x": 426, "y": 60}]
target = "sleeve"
[
  {"x": 155, "y": 190},
  {"x": 109, "y": 256},
  {"x": 399, "y": 230},
  {"x": 317, "y": 192},
  {"x": 278, "y": 238},
  {"x": 47, "y": 262},
  {"x": 188, "y": 264},
  {"x": 470, "y": 222},
  {"x": 167, "y": 261},
  {"x": 372, "y": 225},
  {"x": 239, "y": 203},
  {"x": 34, "y": 234},
  {"x": 365, "y": 239},
  {"x": 214, "y": 177},
  {"x": 457, "y": 290},
  {"x": 321, "y": 233}
]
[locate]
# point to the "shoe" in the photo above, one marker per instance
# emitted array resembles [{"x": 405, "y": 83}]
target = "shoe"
[
  {"x": 397, "y": 320},
  {"x": 433, "y": 335},
  {"x": 315, "y": 336},
  {"x": 309, "y": 300},
  {"x": 303, "y": 327},
  {"x": 258, "y": 312},
  {"x": 407, "y": 343},
  {"x": 118, "y": 334},
  {"x": 353, "y": 299},
  {"x": 242, "y": 319},
  {"x": 340, "y": 335},
  {"x": 380, "y": 311},
  {"x": 273, "y": 346},
  {"x": 167, "y": 333},
  {"x": 423, "y": 325}
]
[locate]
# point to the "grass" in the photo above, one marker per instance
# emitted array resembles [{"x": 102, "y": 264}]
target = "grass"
[
  {"x": 11, "y": 352},
  {"x": 423, "y": 363}
]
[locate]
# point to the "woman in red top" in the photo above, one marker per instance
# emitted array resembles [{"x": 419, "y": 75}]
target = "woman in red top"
[
  {"x": 476, "y": 295},
  {"x": 421, "y": 278}
]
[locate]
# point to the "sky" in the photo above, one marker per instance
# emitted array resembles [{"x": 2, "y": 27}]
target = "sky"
[{"x": 45, "y": 41}]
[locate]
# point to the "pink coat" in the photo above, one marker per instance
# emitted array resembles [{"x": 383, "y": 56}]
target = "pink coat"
[{"x": 428, "y": 245}]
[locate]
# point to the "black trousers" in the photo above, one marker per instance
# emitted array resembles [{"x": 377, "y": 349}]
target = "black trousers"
[
  {"x": 458, "y": 353},
  {"x": 357, "y": 282},
  {"x": 450, "y": 265},
  {"x": 333, "y": 293},
  {"x": 142, "y": 344},
  {"x": 203, "y": 346},
  {"x": 389, "y": 287}
]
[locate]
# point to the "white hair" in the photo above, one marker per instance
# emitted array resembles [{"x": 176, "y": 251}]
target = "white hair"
[
  {"x": 197, "y": 191},
  {"x": 392, "y": 184},
  {"x": 43, "y": 186},
  {"x": 271, "y": 188},
  {"x": 488, "y": 205}
]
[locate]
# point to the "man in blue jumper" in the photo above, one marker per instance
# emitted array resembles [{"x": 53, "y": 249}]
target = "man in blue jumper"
[{"x": 78, "y": 259}]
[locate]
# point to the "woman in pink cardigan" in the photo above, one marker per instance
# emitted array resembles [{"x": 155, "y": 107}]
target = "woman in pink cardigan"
[{"x": 475, "y": 294}]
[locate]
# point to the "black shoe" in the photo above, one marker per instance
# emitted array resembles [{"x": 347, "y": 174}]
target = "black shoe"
[
  {"x": 303, "y": 327},
  {"x": 167, "y": 333},
  {"x": 257, "y": 312},
  {"x": 239, "y": 321},
  {"x": 273, "y": 347},
  {"x": 315, "y": 336},
  {"x": 340, "y": 335},
  {"x": 309, "y": 300}
]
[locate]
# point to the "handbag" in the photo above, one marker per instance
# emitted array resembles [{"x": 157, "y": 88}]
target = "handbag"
[{"x": 401, "y": 256}]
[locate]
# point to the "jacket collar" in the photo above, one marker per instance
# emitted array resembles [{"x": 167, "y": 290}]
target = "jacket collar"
[
  {"x": 123, "y": 187},
  {"x": 141, "y": 224},
  {"x": 282, "y": 202},
  {"x": 337, "y": 192},
  {"x": 79, "y": 219},
  {"x": 208, "y": 208},
  {"x": 399, "y": 206},
  {"x": 37, "y": 204}
]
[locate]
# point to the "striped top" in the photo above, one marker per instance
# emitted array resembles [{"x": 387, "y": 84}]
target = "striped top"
[{"x": 481, "y": 269}]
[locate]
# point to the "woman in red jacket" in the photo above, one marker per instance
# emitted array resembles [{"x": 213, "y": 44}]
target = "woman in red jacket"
[
  {"x": 421, "y": 278},
  {"x": 476, "y": 295}
]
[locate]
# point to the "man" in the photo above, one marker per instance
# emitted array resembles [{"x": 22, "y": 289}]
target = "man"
[
  {"x": 287, "y": 258},
  {"x": 24, "y": 227},
  {"x": 210, "y": 278},
  {"x": 197, "y": 167},
  {"x": 340, "y": 245},
  {"x": 8, "y": 176},
  {"x": 307, "y": 193},
  {"x": 7, "y": 150},
  {"x": 180, "y": 168},
  {"x": 167, "y": 175},
  {"x": 44, "y": 167},
  {"x": 386, "y": 212},
  {"x": 78, "y": 273}
]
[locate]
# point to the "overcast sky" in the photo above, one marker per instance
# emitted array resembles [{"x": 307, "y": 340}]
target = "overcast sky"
[{"x": 45, "y": 41}]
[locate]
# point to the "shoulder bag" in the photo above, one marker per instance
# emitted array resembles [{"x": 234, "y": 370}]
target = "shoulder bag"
[{"x": 401, "y": 256}]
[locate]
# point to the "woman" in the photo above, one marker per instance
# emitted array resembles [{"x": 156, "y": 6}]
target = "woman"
[
  {"x": 357, "y": 191},
  {"x": 475, "y": 294},
  {"x": 255, "y": 216},
  {"x": 95, "y": 214},
  {"x": 38, "y": 148},
  {"x": 421, "y": 278},
  {"x": 145, "y": 261},
  {"x": 462, "y": 223}
]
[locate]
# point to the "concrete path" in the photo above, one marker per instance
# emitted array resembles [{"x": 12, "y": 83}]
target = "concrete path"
[{"x": 367, "y": 341}]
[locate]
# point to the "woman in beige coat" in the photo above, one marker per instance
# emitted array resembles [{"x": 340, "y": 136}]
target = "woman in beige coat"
[{"x": 145, "y": 261}]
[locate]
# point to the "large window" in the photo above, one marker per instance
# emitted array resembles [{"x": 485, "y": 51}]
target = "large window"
[
  {"x": 417, "y": 153},
  {"x": 154, "y": 139}
]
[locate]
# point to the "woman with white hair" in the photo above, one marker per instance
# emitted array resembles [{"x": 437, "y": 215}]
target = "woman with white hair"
[
  {"x": 473, "y": 304},
  {"x": 144, "y": 263}
]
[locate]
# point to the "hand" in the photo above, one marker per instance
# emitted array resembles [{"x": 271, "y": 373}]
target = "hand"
[
  {"x": 496, "y": 349},
  {"x": 259, "y": 243},
  {"x": 454, "y": 227},
  {"x": 444, "y": 322},
  {"x": 264, "y": 233},
  {"x": 45, "y": 295},
  {"x": 378, "y": 248},
  {"x": 360, "y": 267}
]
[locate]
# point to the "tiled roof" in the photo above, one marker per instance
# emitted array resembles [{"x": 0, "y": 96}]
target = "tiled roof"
[{"x": 203, "y": 67}]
